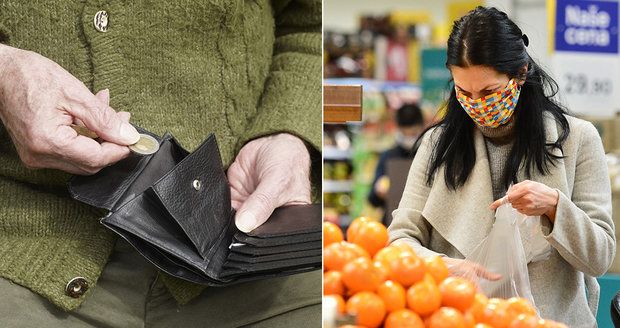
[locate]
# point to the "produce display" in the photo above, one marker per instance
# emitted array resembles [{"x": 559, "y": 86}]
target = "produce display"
[{"x": 381, "y": 285}]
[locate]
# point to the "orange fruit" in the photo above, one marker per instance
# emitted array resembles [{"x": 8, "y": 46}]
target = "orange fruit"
[
  {"x": 458, "y": 293},
  {"x": 482, "y": 325},
  {"x": 407, "y": 269},
  {"x": 340, "y": 304},
  {"x": 428, "y": 278},
  {"x": 553, "y": 324},
  {"x": 371, "y": 236},
  {"x": 355, "y": 225},
  {"x": 403, "y": 319},
  {"x": 423, "y": 298},
  {"x": 387, "y": 254},
  {"x": 404, "y": 247},
  {"x": 495, "y": 313},
  {"x": 336, "y": 255},
  {"x": 478, "y": 306},
  {"x": 436, "y": 267},
  {"x": 361, "y": 275},
  {"x": 383, "y": 268},
  {"x": 368, "y": 308},
  {"x": 356, "y": 249},
  {"x": 525, "y": 321},
  {"x": 446, "y": 317},
  {"x": 331, "y": 234},
  {"x": 332, "y": 283},
  {"x": 470, "y": 320},
  {"x": 517, "y": 305},
  {"x": 532, "y": 321},
  {"x": 393, "y": 295}
]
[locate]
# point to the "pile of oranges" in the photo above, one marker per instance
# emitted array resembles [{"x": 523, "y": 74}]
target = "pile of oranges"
[{"x": 391, "y": 287}]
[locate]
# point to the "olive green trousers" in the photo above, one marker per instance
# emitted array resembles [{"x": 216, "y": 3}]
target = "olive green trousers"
[{"x": 129, "y": 294}]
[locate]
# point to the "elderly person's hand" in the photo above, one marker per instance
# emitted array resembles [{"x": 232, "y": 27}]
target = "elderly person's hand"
[
  {"x": 531, "y": 198},
  {"x": 268, "y": 172},
  {"x": 39, "y": 101}
]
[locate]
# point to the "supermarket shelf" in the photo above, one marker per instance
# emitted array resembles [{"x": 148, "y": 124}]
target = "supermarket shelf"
[
  {"x": 371, "y": 84},
  {"x": 337, "y": 186},
  {"x": 331, "y": 152}
]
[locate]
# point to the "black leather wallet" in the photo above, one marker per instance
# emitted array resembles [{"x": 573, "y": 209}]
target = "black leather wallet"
[{"x": 174, "y": 208}]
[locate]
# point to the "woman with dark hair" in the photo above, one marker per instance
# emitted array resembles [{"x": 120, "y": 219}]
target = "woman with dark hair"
[{"x": 503, "y": 127}]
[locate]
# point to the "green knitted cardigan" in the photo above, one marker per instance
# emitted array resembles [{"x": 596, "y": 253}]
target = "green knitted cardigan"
[{"x": 239, "y": 69}]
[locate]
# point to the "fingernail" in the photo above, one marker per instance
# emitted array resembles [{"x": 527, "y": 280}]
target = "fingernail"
[
  {"x": 246, "y": 222},
  {"x": 129, "y": 133},
  {"x": 104, "y": 95}
]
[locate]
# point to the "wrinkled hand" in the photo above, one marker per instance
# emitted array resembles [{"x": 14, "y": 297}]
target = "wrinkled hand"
[
  {"x": 468, "y": 269},
  {"x": 531, "y": 198},
  {"x": 268, "y": 172},
  {"x": 39, "y": 100}
]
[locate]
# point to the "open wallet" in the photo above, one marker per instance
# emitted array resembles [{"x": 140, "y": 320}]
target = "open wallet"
[{"x": 174, "y": 208}]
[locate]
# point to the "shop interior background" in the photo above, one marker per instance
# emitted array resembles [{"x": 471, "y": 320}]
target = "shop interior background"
[{"x": 357, "y": 36}]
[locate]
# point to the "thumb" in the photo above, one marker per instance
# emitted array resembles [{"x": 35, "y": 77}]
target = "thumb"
[
  {"x": 104, "y": 121},
  {"x": 104, "y": 96},
  {"x": 257, "y": 207}
]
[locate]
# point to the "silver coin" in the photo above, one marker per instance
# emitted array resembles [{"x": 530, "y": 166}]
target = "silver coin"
[{"x": 146, "y": 145}]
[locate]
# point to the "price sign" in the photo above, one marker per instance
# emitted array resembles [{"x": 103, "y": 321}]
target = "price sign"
[
  {"x": 589, "y": 84},
  {"x": 587, "y": 26},
  {"x": 585, "y": 60}
]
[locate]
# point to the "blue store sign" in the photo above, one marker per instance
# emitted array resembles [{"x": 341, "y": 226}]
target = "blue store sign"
[{"x": 586, "y": 26}]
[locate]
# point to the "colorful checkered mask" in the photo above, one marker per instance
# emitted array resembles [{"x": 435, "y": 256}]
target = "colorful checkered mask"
[{"x": 492, "y": 110}]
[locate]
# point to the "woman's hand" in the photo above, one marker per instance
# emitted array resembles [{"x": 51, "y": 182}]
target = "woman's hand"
[
  {"x": 531, "y": 198},
  {"x": 268, "y": 172},
  {"x": 39, "y": 101},
  {"x": 468, "y": 269}
]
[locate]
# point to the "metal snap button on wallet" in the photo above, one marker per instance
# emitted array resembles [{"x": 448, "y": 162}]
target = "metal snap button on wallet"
[{"x": 174, "y": 208}]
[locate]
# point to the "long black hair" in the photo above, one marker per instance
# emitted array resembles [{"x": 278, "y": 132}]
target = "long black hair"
[{"x": 487, "y": 37}]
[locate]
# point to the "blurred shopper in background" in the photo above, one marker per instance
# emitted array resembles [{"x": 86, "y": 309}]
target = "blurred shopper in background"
[{"x": 410, "y": 123}]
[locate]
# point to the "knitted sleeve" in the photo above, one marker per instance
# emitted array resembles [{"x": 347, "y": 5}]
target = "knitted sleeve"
[{"x": 291, "y": 99}]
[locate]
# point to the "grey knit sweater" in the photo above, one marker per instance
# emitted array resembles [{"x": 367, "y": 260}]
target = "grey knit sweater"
[{"x": 499, "y": 143}]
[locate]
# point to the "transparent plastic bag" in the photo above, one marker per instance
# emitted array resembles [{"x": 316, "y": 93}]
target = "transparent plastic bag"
[
  {"x": 501, "y": 252},
  {"x": 536, "y": 247}
]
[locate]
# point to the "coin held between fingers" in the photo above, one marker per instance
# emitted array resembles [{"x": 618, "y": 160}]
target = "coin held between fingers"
[{"x": 146, "y": 145}]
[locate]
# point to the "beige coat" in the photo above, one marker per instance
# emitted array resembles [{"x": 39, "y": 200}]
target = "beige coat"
[{"x": 436, "y": 220}]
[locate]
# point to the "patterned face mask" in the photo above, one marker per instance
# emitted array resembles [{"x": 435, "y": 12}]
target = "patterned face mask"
[{"x": 492, "y": 110}]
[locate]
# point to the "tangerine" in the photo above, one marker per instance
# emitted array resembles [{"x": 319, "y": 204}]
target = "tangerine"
[
  {"x": 368, "y": 309},
  {"x": 407, "y": 269},
  {"x": 332, "y": 283},
  {"x": 458, "y": 293},
  {"x": 393, "y": 295},
  {"x": 361, "y": 275},
  {"x": 331, "y": 234},
  {"x": 437, "y": 268},
  {"x": 403, "y": 319},
  {"x": 446, "y": 317},
  {"x": 424, "y": 298},
  {"x": 371, "y": 236}
]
